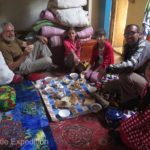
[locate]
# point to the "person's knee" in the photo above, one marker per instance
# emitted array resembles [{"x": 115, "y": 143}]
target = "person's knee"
[
  {"x": 112, "y": 86},
  {"x": 48, "y": 60},
  {"x": 124, "y": 77}
]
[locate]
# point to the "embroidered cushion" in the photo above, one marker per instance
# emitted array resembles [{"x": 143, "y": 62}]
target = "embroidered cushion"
[{"x": 7, "y": 98}]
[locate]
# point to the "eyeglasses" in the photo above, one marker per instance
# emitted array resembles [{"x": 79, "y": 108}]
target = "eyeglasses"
[{"x": 129, "y": 34}]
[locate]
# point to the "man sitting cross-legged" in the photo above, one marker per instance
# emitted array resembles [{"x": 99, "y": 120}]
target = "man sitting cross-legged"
[{"x": 33, "y": 58}]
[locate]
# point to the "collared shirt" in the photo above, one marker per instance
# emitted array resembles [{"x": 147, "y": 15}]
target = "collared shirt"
[
  {"x": 11, "y": 51},
  {"x": 70, "y": 46}
]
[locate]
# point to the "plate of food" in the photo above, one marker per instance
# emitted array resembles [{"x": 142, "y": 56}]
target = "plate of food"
[
  {"x": 66, "y": 81},
  {"x": 64, "y": 113},
  {"x": 73, "y": 75},
  {"x": 96, "y": 107}
]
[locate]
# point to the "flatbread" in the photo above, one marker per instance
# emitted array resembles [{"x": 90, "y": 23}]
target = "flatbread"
[
  {"x": 89, "y": 101},
  {"x": 61, "y": 104},
  {"x": 73, "y": 98}
]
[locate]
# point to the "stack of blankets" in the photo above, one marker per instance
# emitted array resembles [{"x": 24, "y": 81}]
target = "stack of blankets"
[{"x": 59, "y": 16}]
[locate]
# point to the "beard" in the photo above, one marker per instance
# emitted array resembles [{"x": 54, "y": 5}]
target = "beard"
[{"x": 10, "y": 38}]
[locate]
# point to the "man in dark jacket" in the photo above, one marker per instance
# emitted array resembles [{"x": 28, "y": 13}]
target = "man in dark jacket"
[{"x": 131, "y": 81}]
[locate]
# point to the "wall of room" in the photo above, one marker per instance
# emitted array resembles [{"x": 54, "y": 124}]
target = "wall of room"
[
  {"x": 22, "y": 13},
  {"x": 119, "y": 24},
  {"x": 136, "y": 12},
  {"x": 126, "y": 13},
  {"x": 94, "y": 6}
]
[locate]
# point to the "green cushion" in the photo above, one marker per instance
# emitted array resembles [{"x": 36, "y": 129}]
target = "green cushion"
[{"x": 7, "y": 98}]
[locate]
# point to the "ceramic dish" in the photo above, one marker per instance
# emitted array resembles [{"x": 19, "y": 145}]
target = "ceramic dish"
[
  {"x": 92, "y": 89},
  {"x": 48, "y": 79},
  {"x": 96, "y": 107},
  {"x": 48, "y": 89},
  {"x": 114, "y": 114},
  {"x": 38, "y": 85},
  {"x": 73, "y": 75},
  {"x": 64, "y": 113}
]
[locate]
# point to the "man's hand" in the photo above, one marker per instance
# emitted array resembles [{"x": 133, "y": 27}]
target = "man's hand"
[
  {"x": 24, "y": 44},
  {"x": 28, "y": 49},
  {"x": 43, "y": 39}
]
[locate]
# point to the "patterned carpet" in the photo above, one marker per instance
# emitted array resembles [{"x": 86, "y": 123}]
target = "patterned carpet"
[
  {"x": 26, "y": 126},
  {"x": 83, "y": 133}
]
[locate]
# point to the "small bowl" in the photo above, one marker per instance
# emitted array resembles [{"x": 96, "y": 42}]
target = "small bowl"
[
  {"x": 92, "y": 89},
  {"x": 114, "y": 114},
  {"x": 38, "y": 85},
  {"x": 64, "y": 113},
  {"x": 48, "y": 89},
  {"x": 96, "y": 107},
  {"x": 48, "y": 79},
  {"x": 73, "y": 75}
]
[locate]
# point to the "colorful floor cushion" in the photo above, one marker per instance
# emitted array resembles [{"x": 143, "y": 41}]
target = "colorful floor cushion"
[{"x": 7, "y": 98}]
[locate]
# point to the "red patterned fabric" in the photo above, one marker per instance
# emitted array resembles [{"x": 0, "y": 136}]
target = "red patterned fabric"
[
  {"x": 37, "y": 76},
  {"x": 135, "y": 131},
  {"x": 17, "y": 79},
  {"x": 12, "y": 134},
  {"x": 82, "y": 133}
]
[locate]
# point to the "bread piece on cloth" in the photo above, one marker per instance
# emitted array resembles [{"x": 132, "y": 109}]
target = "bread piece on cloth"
[
  {"x": 89, "y": 100},
  {"x": 73, "y": 98},
  {"x": 61, "y": 104}
]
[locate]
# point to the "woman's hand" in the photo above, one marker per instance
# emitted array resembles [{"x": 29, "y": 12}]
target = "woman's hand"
[{"x": 76, "y": 60}]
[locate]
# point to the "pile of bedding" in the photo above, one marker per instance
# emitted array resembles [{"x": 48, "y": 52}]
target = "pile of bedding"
[{"x": 61, "y": 15}]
